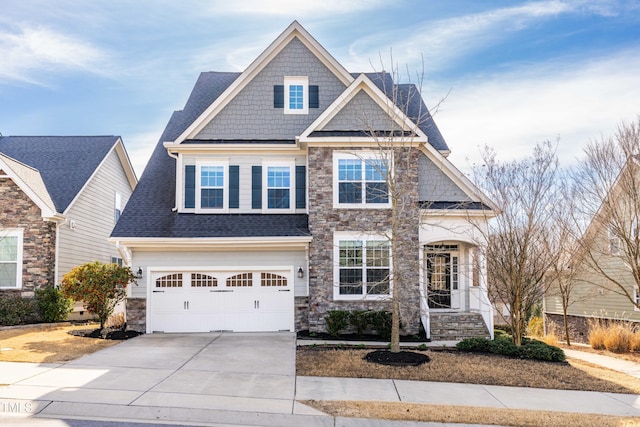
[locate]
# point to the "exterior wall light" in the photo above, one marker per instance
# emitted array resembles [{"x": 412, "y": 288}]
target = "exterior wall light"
[{"x": 300, "y": 273}]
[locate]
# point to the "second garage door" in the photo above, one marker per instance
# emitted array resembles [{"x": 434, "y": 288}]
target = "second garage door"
[{"x": 203, "y": 301}]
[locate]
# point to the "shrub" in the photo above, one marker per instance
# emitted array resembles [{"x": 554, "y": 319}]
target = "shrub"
[
  {"x": 551, "y": 337},
  {"x": 618, "y": 339},
  {"x": 359, "y": 320},
  {"x": 381, "y": 323},
  {"x": 597, "y": 334},
  {"x": 504, "y": 328},
  {"x": 53, "y": 306},
  {"x": 502, "y": 345},
  {"x": 116, "y": 321},
  {"x": 15, "y": 310},
  {"x": 99, "y": 286},
  {"x": 337, "y": 321},
  {"x": 480, "y": 345},
  {"x": 635, "y": 341},
  {"x": 535, "y": 327}
]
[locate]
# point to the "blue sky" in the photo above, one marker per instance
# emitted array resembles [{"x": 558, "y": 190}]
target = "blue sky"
[{"x": 514, "y": 73}]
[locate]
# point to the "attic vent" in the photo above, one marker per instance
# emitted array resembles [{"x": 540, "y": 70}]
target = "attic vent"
[{"x": 72, "y": 225}]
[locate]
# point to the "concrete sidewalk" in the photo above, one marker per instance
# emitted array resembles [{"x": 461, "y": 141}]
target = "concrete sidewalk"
[
  {"x": 229, "y": 379},
  {"x": 624, "y": 366}
]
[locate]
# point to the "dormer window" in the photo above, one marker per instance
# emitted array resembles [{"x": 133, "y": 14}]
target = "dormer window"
[{"x": 296, "y": 96}]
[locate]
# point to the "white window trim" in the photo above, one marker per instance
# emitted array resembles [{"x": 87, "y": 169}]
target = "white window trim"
[
  {"x": 291, "y": 164},
  {"x": 19, "y": 233},
  {"x": 339, "y": 236},
  {"x": 225, "y": 185},
  {"x": 386, "y": 156},
  {"x": 296, "y": 80},
  {"x": 117, "y": 206},
  {"x": 636, "y": 298}
]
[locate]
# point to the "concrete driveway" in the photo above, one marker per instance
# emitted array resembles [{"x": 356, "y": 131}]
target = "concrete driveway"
[{"x": 252, "y": 372}]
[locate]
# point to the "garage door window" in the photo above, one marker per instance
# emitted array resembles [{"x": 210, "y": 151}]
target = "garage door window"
[
  {"x": 240, "y": 280},
  {"x": 199, "y": 280},
  {"x": 270, "y": 279},
  {"x": 169, "y": 281}
]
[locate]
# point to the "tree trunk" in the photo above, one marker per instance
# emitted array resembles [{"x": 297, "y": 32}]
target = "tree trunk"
[{"x": 566, "y": 324}]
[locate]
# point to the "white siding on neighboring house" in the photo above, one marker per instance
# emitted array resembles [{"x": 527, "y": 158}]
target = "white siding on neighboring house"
[
  {"x": 224, "y": 259},
  {"x": 91, "y": 218}
]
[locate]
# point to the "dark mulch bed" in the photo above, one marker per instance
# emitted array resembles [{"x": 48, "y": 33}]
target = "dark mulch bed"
[
  {"x": 402, "y": 358},
  {"x": 306, "y": 335},
  {"x": 106, "y": 334}
]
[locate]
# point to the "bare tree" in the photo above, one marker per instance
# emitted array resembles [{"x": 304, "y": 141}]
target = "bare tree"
[
  {"x": 519, "y": 252},
  {"x": 392, "y": 163},
  {"x": 608, "y": 180}
]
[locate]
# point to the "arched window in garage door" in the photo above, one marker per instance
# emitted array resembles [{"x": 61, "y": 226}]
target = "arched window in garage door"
[
  {"x": 271, "y": 279},
  {"x": 240, "y": 280},
  {"x": 169, "y": 281},
  {"x": 199, "y": 280}
]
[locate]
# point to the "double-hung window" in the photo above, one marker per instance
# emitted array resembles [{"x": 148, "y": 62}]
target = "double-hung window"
[
  {"x": 211, "y": 187},
  {"x": 296, "y": 95},
  {"x": 11, "y": 258},
  {"x": 278, "y": 192},
  {"x": 362, "y": 267},
  {"x": 360, "y": 180}
]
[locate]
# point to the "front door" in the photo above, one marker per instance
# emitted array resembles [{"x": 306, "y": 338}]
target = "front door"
[{"x": 442, "y": 276}]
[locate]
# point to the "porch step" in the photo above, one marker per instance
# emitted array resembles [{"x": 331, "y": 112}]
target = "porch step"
[{"x": 454, "y": 326}]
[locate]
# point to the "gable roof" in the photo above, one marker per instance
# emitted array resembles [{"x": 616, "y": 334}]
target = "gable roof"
[
  {"x": 30, "y": 182},
  {"x": 364, "y": 84},
  {"x": 295, "y": 30},
  {"x": 65, "y": 163}
]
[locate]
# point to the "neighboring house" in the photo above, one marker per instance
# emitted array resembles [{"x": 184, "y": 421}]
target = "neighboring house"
[
  {"x": 599, "y": 274},
  {"x": 264, "y": 205},
  {"x": 60, "y": 198}
]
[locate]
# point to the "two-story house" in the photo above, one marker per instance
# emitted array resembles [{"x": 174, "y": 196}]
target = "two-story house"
[
  {"x": 60, "y": 197},
  {"x": 269, "y": 201}
]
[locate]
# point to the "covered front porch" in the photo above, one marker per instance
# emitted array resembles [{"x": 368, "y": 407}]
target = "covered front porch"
[{"x": 454, "y": 301}]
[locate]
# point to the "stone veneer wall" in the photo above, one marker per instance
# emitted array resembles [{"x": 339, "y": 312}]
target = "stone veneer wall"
[
  {"x": 578, "y": 326},
  {"x": 17, "y": 210},
  {"x": 301, "y": 307},
  {"x": 324, "y": 220},
  {"x": 136, "y": 309}
]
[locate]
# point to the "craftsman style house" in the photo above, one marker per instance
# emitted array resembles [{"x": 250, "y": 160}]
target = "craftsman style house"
[
  {"x": 268, "y": 202},
  {"x": 60, "y": 197}
]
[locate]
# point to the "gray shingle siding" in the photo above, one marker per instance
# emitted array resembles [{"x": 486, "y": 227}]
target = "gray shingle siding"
[
  {"x": 435, "y": 186},
  {"x": 361, "y": 113},
  {"x": 251, "y": 115}
]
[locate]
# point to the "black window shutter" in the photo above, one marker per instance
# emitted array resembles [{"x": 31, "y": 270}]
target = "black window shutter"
[
  {"x": 278, "y": 96},
  {"x": 314, "y": 101},
  {"x": 256, "y": 187},
  {"x": 234, "y": 186},
  {"x": 190, "y": 186},
  {"x": 301, "y": 187}
]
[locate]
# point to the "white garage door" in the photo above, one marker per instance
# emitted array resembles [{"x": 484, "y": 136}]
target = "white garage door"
[{"x": 249, "y": 301}]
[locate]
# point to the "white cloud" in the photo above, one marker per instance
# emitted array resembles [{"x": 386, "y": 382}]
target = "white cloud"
[
  {"x": 443, "y": 41},
  {"x": 307, "y": 8},
  {"x": 573, "y": 101},
  {"x": 31, "y": 51}
]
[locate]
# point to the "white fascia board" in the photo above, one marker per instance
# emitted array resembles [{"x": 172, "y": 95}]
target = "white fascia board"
[
  {"x": 363, "y": 83},
  {"x": 123, "y": 156},
  {"x": 466, "y": 213},
  {"x": 211, "y": 243},
  {"x": 294, "y": 30},
  {"x": 43, "y": 201},
  {"x": 458, "y": 177},
  {"x": 357, "y": 141},
  {"x": 230, "y": 148}
]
